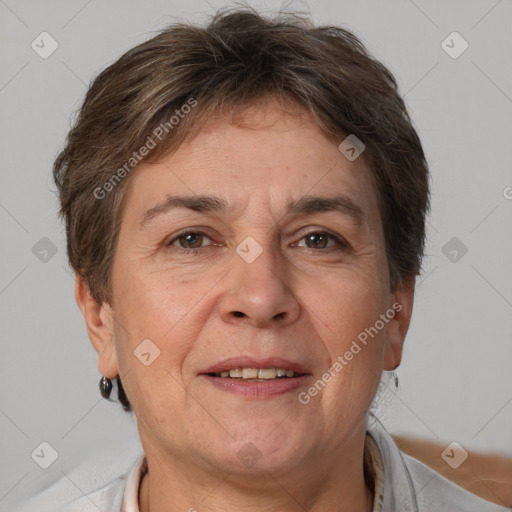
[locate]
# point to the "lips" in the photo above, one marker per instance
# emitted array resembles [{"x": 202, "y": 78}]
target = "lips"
[
  {"x": 297, "y": 376},
  {"x": 256, "y": 363}
]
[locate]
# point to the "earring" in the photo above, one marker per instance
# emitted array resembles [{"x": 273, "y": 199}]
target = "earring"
[
  {"x": 105, "y": 387},
  {"x": 396, "y": 380}
]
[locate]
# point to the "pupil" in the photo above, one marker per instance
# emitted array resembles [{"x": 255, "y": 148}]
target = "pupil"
[
  {"x": 189, "y": 239},
  {"x": 315, "y": 236}
]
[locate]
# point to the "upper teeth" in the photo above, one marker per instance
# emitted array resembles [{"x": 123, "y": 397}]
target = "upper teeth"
[{"x": 256, "y": 373}]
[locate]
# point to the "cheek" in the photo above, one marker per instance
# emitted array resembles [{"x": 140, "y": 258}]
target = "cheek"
[
  {"x": 168, "y": 311},
  {"x": 156, "y": 326},
  {"x": 355, "y": 356},
  {"x": 354, "y": 340},
  {"x": 152, "y": 300},
  {"x": 349, "y": 303}
]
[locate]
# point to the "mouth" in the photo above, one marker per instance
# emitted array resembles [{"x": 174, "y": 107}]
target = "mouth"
[
  {"x": 257, "y": 378},
  {"x": 256, "y": 374}
]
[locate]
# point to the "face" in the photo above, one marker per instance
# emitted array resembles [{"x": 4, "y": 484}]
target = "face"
[{"x": 265, "y": 273}]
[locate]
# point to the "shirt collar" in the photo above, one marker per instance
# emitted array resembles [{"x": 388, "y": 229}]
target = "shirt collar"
[
  {"x": 131, "y": 491},
  {"x": 398, "y": 488}
]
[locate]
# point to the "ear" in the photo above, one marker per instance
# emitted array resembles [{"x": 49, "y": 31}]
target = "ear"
[
  {"x": 399, "y": 325},
  {"x": 99, "y": 321}
]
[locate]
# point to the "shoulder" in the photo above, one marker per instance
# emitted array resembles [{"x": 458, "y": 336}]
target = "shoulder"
[
  {"x": 62, "y": 498},
  {"x": 435, "y": 493},
  {"x": 89, "y": 487},
  {"x": 411, "y": 486}
]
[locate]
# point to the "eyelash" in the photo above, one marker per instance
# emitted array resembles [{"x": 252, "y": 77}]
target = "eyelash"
[{"x": 342, "y": 243}]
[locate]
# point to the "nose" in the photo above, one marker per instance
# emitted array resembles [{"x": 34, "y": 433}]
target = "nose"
[{"x": 258, "y": 293}]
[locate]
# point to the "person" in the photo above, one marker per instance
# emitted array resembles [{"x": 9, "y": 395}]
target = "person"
[{"x": 245, "y": 208}]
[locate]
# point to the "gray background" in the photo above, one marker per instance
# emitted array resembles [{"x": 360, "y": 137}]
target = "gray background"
[{"x": 455, "y": 379}]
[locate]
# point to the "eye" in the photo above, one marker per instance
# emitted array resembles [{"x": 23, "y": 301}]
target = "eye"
[
  {"x": 319, "y": 239},
  {"x": 189, "y": 241}
]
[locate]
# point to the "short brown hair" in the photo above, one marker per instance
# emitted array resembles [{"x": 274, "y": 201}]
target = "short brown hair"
[{"x": 238, "y": 58}]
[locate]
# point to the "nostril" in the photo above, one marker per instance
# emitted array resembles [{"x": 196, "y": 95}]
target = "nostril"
[{"x": 238, "y": 313}]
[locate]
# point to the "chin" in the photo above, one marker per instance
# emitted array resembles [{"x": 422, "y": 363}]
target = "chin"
[{"x": 259, "y": 455}]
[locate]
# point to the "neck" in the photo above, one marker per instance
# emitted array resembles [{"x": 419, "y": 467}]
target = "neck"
[{"x": 336, "y": 490}]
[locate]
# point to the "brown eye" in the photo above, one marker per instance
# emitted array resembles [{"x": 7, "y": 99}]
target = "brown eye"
[
  {"x": 190, "y": 240},
  {"x": 316, "y": 240},
  {"x": 320, "y": 239}
]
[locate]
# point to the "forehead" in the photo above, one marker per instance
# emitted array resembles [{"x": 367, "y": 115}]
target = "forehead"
[{"x": 270, "y": 159}]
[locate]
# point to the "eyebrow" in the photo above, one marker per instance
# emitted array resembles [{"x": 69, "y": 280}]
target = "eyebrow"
[{"x": 212, "y": 204}]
